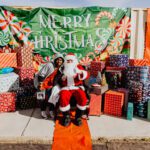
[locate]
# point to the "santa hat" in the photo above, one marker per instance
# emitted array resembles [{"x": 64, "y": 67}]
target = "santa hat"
[{"x": 71, "y": 56}]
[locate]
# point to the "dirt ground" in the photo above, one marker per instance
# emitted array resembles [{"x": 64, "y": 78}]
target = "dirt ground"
[{"x": 100, "y": 144}]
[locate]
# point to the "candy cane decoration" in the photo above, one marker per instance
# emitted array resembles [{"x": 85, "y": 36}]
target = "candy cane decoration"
[{"x": 102, "y": 14}]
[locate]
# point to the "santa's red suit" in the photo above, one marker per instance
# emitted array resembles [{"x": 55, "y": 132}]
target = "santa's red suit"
[{"x": 73, "y": 85}]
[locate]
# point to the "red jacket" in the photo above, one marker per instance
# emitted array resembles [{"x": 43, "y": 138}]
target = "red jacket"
[{"x": 77, "y": 80}]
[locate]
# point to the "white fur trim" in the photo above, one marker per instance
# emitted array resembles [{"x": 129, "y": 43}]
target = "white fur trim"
[
  {"x": 81, "y": 107},
  {"x": 84, "y": 75},
  {"x": 72, "y": 57},
  {"x": 70, "y": 81},
  {"x": 63, "y": 109}
]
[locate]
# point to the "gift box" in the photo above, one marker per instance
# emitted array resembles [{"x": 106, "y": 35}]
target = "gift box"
[
  {"x": 9, "y": 82},
  {"x": 25, "y": 91},
  {"x": 26, "y": 102},
  {"x": 26, "y": 76},
  {"x": 7, "y": 102},
  {"x": 130, "y": 111},
  {"x": 138, "y": 73},
  {"x": 138, "y": 62},
  {"x": 140, "y": 109},
  {"x": 8, "y": 60},
  {"x": 116, "y": 68},
  {"x": 135, "y": 91},
  {"x": 146, "y": 91},
  {"x": 115, "y": 79},
  {"x": 113, "y": 103},
  {"x": 119, "y": 60},
  {"x": 95, "y": 105},
  {"x": 24, "y": 57},
  {"x": 99, "y": 90},
  {"x": 126, "y": 97},
  {"x": 95, "y": 67},
  {"x": 148, "y": 110},
  {"x": 144, "y": 74}
]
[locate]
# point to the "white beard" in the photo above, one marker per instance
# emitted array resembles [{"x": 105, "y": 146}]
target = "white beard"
[{"x": 69, "y": 69}]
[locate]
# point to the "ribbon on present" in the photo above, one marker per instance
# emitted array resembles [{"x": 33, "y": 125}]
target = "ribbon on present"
[{"x": 119, "y": 60}]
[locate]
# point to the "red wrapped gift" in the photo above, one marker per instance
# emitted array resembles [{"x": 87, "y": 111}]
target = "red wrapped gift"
[
  {"x": 95, "y": 105},
  {"x": 8, "y": 60},
  {"x": 138, "y": 62},
  {"x": 26, "y": 75},
  {"x": 24, "y": 57},
  {"x": 115, "y": 68},
  {"x": 113, "y": 103},
  {"x": 96, "y": 66},
  {"x": 7, "y": 101}
]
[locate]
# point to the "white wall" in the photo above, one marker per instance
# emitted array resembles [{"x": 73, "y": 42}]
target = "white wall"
[{"x": 138, "y": 24}]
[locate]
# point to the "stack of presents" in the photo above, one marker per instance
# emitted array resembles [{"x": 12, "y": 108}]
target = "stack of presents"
[
  {"x": 120, "y": 88},
  {"x": 16, "y": 79},
  {"x": 124, "y": 90}
]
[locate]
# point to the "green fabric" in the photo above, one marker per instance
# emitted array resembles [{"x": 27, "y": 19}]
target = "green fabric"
[{"x": 77, "y": 30}]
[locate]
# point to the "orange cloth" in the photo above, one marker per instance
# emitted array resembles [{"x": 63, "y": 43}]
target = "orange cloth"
[
  {"x": 147, "y": 49},
  {"x": 72, "y": 137},
  {"x": 48, "y": 82}
]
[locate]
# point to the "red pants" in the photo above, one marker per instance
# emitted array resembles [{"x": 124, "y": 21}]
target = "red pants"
[{"x": 65, "y": 96}]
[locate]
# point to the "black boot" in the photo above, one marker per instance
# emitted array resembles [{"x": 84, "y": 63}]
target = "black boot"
[
  {"x": 78, "y": 120},
  {"x": 66, "y": 119}
]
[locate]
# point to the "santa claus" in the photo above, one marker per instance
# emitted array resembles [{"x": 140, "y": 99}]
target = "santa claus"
[{"x": 71, "y": 84}]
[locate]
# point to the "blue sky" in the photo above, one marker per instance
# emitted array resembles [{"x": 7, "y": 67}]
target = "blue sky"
[{"x": 77, "y": 3}]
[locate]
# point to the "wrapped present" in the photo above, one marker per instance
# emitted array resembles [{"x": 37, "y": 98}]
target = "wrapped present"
[
  {"x": 9, "y": 82},
  {"x": 133, "y": 73},
  {"x": 95, "y": 67},
  {"x": 8, "y": 60},
  {"x": 138, "y": 62},
  {"x": 119, "y": 60},
  {"x": 135, "y": 91},
  {"x": 148, "y": 110},
  {"x": 115, "y": 79},
  {"x": 138, "y": 73},
  {"x": 24, "y": 57},
  {"x": 144, "y": 74},
  {"x": 130, "y": 111},
  {"x": 126, "y": 97},
  {"x": 25, "y": 91},
  {"x": 116, "y": 68},
  {"x": 7, "y": 102},
  {"x": 113, "y": 103},
  {"x": 26, "y": 76},
  {"x": 140, "y": 109},
  {"x": 95, "y": 105},
  {"x": 98, "y": 90},
  {"x": 146, "y": 91},
  {"x": 27, "y": 102}
]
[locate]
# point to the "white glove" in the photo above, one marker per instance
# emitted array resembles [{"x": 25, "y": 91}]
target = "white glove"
[{"x": 78, "y": 71}]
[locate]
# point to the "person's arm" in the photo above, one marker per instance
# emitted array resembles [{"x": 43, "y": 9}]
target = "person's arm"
[
  {"x": 82, "y": 74},
  {"x": 45, "y": 71}
]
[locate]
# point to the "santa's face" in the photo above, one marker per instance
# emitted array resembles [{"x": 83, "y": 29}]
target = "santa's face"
[{"x": 69, "y": 67}]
